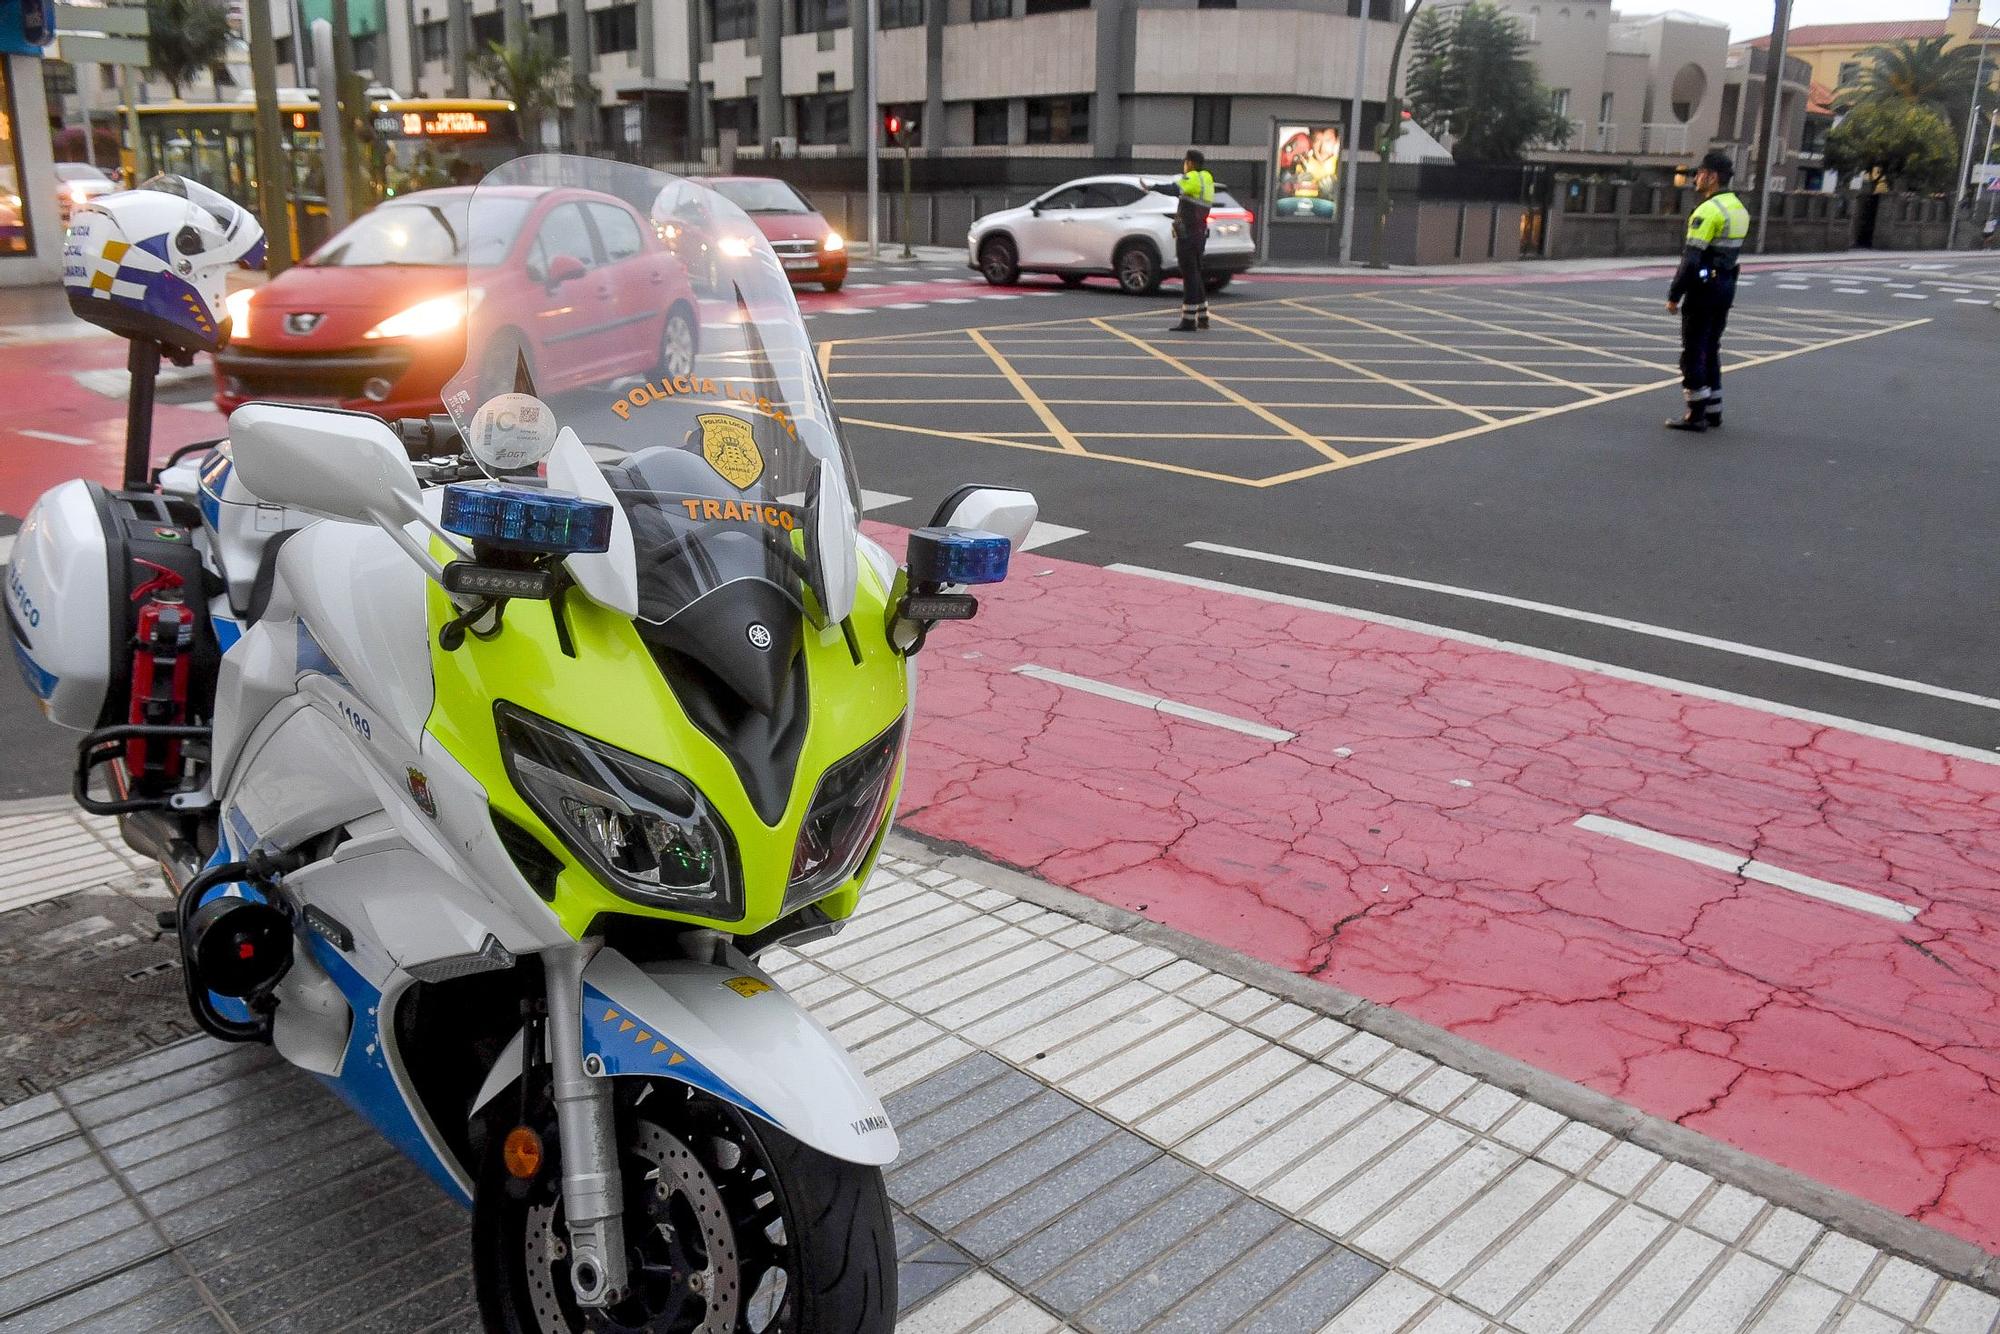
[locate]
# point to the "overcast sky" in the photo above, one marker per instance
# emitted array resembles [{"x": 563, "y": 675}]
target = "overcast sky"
[{"x": 1752, "y": 18}]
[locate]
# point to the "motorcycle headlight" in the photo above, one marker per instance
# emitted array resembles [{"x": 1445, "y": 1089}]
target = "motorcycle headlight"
[
  {"x": 642, "y": 828},
  {"x": 846, "y": 813}
]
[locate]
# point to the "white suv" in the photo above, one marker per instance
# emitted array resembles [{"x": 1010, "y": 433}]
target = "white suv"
[{"x": 1110, "y": 225}]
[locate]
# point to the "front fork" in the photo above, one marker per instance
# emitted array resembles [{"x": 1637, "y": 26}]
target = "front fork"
[{"x": 593, "y": 1195}]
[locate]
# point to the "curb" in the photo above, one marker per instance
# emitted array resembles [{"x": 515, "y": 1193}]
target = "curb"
[{"x": 1865, "y": 1221}]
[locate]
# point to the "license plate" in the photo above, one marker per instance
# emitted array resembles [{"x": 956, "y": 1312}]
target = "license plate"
[
  {"x": 806, "y": 263},
  {"x": 1227, "y": 229}
]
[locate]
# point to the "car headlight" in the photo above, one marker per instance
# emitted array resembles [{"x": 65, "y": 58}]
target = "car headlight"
[
  {"x": 846, "y": 813},
  {"x": 834, "y": 241},
  {"x": 736, "y": 247},
  {"x": 78, "y": 193},
  {"x": 643, "y": 829},
  {"x": 237, "y": 303},
  {"x": 429, "y": 318}
]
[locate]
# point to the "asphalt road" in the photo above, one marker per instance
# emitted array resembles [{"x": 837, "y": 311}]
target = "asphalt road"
[{"x": 1842, "y": 517}]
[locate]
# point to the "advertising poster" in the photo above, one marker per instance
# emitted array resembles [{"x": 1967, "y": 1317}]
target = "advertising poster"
[{"x": 1307, "y": 177}]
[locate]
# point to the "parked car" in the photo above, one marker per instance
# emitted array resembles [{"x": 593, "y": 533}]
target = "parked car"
[
  {"x": 1106, "y": 225},
  {"x": 79, "y": 183},
  {"x": 806, "y": 243},
  {"x": 374, "y": 320}
]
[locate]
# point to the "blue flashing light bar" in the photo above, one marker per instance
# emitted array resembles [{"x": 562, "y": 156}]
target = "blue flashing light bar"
[
  {"x": 958, "y": 556},
  {"x": 519, "y": 519}
]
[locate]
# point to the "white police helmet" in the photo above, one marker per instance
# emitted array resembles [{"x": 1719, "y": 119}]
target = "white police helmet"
[{"x": 153, "y": 262}]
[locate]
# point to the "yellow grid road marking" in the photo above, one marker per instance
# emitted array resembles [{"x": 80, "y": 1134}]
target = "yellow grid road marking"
[
  {"x": 1391, "y": 381},
  {"x": 1255, "y": 408},
  {"x": 1548, "y": 339},
  {"x": 1028, "y": 395}
]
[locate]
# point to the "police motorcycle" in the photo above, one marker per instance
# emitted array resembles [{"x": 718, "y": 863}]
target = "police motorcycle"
[{"x": 487, "y": 753}]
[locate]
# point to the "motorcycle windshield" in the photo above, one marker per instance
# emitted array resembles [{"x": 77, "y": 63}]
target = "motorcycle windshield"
[{"x": 702, "y": 406}]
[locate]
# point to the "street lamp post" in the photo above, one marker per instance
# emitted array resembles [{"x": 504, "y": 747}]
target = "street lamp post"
[
  {"x": 1387, "y": 134},
  {"x": 874, "y": 139},
  {"x": 1353, "y": 144},
  {"x": 1767, "y": 133},
  {"x": 1958, "y": 203}
]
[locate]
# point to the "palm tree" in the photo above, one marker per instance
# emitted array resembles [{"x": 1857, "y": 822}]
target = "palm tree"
[
  {"x": 531, "y": 76},
  {"x": 1471, "y": 79},
  {"x": 184, "y": 38},
  {"x": 1920, "y": 71}
]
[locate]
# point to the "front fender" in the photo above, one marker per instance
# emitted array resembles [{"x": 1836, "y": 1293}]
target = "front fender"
[{"x": 732, "y": 1033}]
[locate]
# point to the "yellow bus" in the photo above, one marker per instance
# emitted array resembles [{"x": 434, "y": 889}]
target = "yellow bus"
[{"x": 407, "y": 144}]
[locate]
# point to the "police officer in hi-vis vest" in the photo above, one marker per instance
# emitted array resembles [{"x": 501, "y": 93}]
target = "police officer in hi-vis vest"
[
  {"x": 1703, "y": 289},
  {"x": 1194, "y": 188}
]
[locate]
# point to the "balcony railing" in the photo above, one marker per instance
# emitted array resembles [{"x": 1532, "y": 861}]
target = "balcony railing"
[{"x": 1663, "y": 137}]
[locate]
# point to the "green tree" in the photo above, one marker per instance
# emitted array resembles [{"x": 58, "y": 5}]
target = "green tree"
[
  {"x": 1921, "y": 72},
  {"x": 1904, "y": 146},
  {"x": 185, "y": 38},
  {"x": 531, "y": 76},
  {"x": 1471, "y": 80}
]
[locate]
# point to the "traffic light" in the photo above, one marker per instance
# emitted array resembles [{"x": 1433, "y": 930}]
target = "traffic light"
[{"x": 892, "y": 128}]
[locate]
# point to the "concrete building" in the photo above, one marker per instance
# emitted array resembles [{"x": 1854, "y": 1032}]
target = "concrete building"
[
  {"x": 31, "y": 234},
  {"x": 1745, "y": 90},
  {"x": 990, "y": 84},
  {"x": 1645, "y": 89},
  {"x": 1833, "y": 51}
]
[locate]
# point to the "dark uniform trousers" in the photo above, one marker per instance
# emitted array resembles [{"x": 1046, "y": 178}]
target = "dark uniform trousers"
[
  {"x": 1704, "y": 313},
  {"x": 1188, "y": 252}
]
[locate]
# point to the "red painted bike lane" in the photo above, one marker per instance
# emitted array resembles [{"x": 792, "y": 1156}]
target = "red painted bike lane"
[
  {"x": 56, "y": 428},
  {"x": 1417, "y": 842}
]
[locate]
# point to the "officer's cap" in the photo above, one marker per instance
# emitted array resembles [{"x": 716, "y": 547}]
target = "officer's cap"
[{"x": 1720, "y": 163}]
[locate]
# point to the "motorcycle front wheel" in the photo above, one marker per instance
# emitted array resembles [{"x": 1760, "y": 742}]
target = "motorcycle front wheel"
[{"x": 731, "y": 1227}]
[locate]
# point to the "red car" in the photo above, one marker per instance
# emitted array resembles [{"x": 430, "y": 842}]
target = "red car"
[
  {"x": 807, "y": 245},
  {"x": 374, "y": 320}
]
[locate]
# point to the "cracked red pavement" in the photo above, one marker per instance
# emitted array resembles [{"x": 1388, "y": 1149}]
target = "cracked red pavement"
[{"x": 1416, "y": 844}]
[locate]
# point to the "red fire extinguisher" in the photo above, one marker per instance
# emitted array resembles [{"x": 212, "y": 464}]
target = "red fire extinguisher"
[{"x": 162, "y": 653}]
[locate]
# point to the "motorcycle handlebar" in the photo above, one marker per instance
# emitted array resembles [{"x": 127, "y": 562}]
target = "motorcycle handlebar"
[{"x": 430, "y": 437}]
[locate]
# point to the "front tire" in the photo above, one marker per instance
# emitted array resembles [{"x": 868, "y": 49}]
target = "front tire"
[
  {"x": 1215, "y": 282},
  {"x": 1000, "y": 262},
  {"x": 731, "y": 1227}
]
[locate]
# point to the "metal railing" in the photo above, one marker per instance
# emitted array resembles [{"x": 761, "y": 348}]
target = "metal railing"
[{"x": 1663, "y": 137}]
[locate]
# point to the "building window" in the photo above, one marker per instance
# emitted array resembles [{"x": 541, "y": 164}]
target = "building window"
[
  {"x": 284, "y": 50},
  {"x": 433, "y": 41},
  {"x": 1559, "y": 102},
  {"x": 738, "y": 114},
  {"x": 732, "y": 20},
  {"x": 1059, "y": 120},
  {"x": 488, "y": 30},
  {"x": 17, "y": 239},
  {"x": 821, "y": 15},
  {"x": 822, "y": 118},
  {"x": 1850, "y": 70},
  {"x": 551, "y": 31},
  {"x": 364, "y": 54},
  {"x": 1211, "y": 121},
  {"x": 1052, "y": 6},
  {"x": 615, "y": 29},
  {"x": 992, "y": 9},
  {"x": 1215, "y": 4},
  {"x": 989, "y": 121},
  {"x": 901, "y": 13}
]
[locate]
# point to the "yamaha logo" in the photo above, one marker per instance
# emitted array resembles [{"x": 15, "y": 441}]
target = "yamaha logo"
[
  {"x": 302, "y": 322},
  {"x": 760, "y": 636}
]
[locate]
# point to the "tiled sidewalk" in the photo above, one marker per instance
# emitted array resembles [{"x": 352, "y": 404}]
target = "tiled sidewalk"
[{"x": 1098, "y": 1135}]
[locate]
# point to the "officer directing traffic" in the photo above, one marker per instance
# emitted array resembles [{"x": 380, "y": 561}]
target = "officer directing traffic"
[
  {"x": 1704, "y": 287},
  {"x": 1194, "y": 189}
]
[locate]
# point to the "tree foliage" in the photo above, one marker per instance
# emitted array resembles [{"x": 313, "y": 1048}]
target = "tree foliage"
[
  {"x": 1471, "y": 83},
  {"x": 1922, "y": 72},
  {"x": 531, "y": 76},
  {"x": 185, "y": 39},
  {"x": 1903, "y": 145}
]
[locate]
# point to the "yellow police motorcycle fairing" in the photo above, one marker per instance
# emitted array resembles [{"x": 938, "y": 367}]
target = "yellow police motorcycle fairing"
[{"x": 541, "y": 724}]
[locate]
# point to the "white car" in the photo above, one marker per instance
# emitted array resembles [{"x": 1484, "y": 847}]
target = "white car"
[
  {"x": 1111, "y": 225},
  {"x": 79, "y": 183}
]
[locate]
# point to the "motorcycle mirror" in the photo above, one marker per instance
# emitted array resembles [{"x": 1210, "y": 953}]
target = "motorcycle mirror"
[
  {"x": 339, "y": 465},
  {"x": 1005, "y": 510}
]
